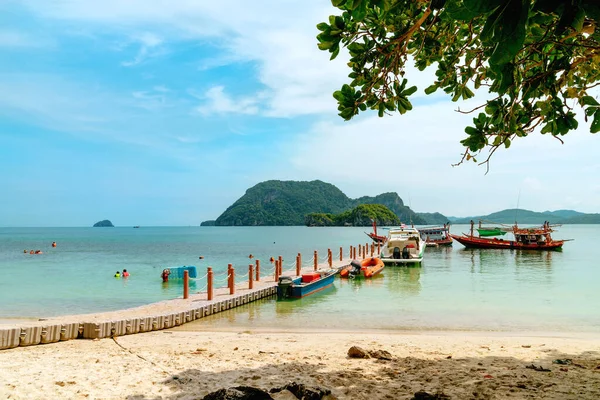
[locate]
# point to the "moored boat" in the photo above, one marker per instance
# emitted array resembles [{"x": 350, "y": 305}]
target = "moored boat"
[
  {"x": 352, "y": 270},
  {"x": 436, "y": 235},
  {"x": 371, "y": 266},
  {"x": 374, "y": 236},
  {"x": 536, "y": 238},
  {"x": 305, "y": 285},
  {"x": 403, "y": 246}
]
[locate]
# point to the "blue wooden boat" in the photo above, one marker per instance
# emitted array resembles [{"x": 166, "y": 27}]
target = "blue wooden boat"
[{"x": 304, "y": 285}]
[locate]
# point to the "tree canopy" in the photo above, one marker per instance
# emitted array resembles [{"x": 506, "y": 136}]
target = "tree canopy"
[{"x": 538, "y": 58}]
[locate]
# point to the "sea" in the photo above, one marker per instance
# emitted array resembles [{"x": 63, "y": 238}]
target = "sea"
[{"x": 454, "y": 288}]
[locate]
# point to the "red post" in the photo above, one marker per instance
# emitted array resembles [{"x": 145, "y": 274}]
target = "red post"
[
  {"x": 330, "y": 258},
  {"x": 276, "y": 270},
  {"x": 372, "y": 249},
  {"x": 257, "y": 270},
  {"x": 350, "y": 254},
  {"x": 298, "y": 265},
  {"x": 280, "y": 265},
  {"x": 316, "y": 260},
  {"x": 186, "y": 284},
  {"x": 341, "y": 253},
  {"x": 232, "y": 286},
  {"x": 250, "y": 276},
  {"x": 209, "y": 283},
  {"x": 300, "y": 257},
  {"x": 360, "y": 251},
  {"x": 378, "y": 248}
]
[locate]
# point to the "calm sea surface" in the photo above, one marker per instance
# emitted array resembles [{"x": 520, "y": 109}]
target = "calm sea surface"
[{"x": 455, "y": 288}]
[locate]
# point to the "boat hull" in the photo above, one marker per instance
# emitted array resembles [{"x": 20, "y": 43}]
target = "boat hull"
[
  {"x": 371, "y": 266},
  {"x": 298, "y": 289},
  {"x": 494, "y": 243},
  {"x": 376, "y": 238}
]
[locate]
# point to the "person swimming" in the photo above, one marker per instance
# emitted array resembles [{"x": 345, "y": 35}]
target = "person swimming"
[
  {"x": 125, "y": 274},
  {"x": 117, "y": 274},
  {"x": 165, "y": 275},
  {"x": 53, "y": 244}
]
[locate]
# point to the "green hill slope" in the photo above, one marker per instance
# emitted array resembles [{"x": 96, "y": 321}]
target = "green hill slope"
[
  {"x": 361, "y": 215},
  {"x": 510, "y": 216},
  {"x": 288, "y": 202}
]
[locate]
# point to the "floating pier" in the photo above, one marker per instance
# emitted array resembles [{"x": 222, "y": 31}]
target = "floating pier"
[{"x": 248, "y": 287}]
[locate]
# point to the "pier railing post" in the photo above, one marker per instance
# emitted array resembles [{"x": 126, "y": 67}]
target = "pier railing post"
[
  {"x": 316, "y": 260},
  {"x": 186, "y": 284},
  {"x": 341, "y": 253},
  {"x": 257, "y": 270},
  {"x": 298, "y": 265},
  {"x": 378, "y": 249},
  {"x": 232, "y": 286},
  {"x": 209, "y": 283},
  {"x": 250, "y": 276},
  {"x": 351, "y": 253},
  {"x": 280, "y": 265},
  {"x": 372, "y": 249},
  {"x": 276, "y": 270},
  {"x": 360, "y": 252}
]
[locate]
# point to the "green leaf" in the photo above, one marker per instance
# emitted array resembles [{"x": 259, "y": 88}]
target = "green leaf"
[
  {"x": 338, "y": 3},
  {"x": 596, "y": 122},
  {"x": 431, "y": 89},
  {"x": 589, "y": 101},
  {"x": 409, "y": 91},
  {"x": 322, "y": 26}
]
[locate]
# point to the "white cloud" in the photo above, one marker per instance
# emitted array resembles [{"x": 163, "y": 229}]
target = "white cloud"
[
  {"x": 16, "y": 39},
  {"x": 216, "y": 101},
  {"x": 149, "y": 47}
]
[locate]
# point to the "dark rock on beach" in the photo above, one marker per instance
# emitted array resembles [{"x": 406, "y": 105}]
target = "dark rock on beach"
[
  {"x": 291, "y": 390},
  {"x": 304, "y": 392},
  {"x": 104, "y": 224},
  {"x": 239, "y": 393}
]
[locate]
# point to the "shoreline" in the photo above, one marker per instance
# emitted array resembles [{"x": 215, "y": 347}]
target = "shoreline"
[{"x": 174, "y": 364}]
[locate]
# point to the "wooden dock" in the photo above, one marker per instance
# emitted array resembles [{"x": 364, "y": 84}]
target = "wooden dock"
[{"x": 156, "y": 316}]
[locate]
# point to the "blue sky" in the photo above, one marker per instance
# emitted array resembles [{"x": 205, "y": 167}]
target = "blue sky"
[{"x": 164, "y": 113}]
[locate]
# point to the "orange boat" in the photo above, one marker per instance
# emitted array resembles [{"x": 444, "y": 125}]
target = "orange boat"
[
  {"x": 352, "y": 270},
  {"x": 371, "y": 266}
]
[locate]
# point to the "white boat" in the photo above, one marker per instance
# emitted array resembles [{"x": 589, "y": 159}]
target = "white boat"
[{"x": 403, "y": 246}]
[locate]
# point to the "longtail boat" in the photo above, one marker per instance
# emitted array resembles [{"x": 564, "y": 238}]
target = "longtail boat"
[
  {"x": 374, "y": 236},
  {"x": 538, "y": 238},
  {"x": 436, "y": 235}
]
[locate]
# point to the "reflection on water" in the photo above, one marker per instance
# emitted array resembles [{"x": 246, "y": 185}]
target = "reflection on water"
[
  {"x": 288, "y": 307},
  {"x": 403, "y": 280}
]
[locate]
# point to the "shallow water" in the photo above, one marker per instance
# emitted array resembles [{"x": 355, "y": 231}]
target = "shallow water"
[{"x": 455, "y": 288}]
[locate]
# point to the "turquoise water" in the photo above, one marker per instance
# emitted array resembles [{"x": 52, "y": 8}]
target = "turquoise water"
[{"x": 455, "y": 288}]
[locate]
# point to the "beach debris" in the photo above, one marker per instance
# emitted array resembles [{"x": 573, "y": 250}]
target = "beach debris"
[
  {"x": 357, "y": 352},
  {"x": 537, "y": 368},
  {"x": 526, "y": 346},
  {"x": 380, "y": 354},
  {"x": 239, "y": 393},
  {"x": 488, "y": 376},
  {"x": 302, "y": 391},
  {"x": 563, "y": 361},
  {"x": 423, "y": 395}
]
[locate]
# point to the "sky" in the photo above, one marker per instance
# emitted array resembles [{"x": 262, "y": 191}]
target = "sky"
[{"x": 164, "y": 112}]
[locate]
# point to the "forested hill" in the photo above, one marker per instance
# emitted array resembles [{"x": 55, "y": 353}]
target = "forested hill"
[
  {"x": 511, "y": 216},
  {"x": 288, "y": 202}
]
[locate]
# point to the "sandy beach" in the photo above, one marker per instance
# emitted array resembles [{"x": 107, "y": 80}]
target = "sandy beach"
[{"x": 183, "y": 364}]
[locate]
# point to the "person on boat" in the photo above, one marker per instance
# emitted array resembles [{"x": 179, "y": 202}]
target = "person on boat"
[
  {"x": 165, "y": 275},
  {"x": 125, "y": 274},
  {"x": 117, "y": 274}
]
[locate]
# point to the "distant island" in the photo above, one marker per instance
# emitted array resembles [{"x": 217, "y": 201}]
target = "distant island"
[
  {"x": 510, "y": 216},
  {"x": 103, "y": 224},
  {"x": 208, "y": 223},
  {"x": 285, "y": 203}
]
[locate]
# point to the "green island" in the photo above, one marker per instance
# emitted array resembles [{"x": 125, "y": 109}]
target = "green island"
[
  {"x": 361, "y": 215},
  {"x": 105, "y": 223},
  {"x": 288, "y": 203}
]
